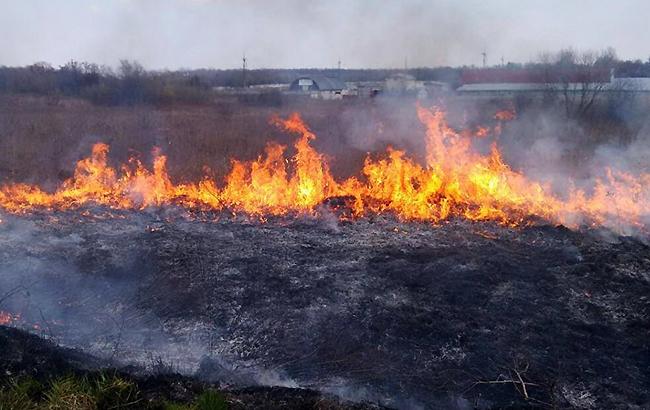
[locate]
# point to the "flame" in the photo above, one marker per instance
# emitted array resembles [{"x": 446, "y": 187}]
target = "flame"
[
  {"x": 505, "y": 115},
  {"x": 6, "y": 318},
  {"x": 455, "y": 181}
]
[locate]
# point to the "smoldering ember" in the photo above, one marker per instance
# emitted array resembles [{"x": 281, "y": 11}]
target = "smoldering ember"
[{"x": 462, "y": 234}]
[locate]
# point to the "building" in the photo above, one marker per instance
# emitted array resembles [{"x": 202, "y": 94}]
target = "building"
[
  {"x": 406, "y": 84},
  {"x": 365, "y": 89},
  {"x": 401, "y": 83},
  {"x": 318, "y": 86},
  {"x": 632, "y": 84},
  {"x": 539, "y": 90},
  {"x": 535, "y": 83}
]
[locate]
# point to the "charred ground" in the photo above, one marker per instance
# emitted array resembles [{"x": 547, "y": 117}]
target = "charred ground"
[{"x": 406, "y": 315}]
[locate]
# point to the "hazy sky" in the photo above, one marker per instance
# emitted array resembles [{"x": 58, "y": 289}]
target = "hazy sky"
[{"x": 305, "y": 33}]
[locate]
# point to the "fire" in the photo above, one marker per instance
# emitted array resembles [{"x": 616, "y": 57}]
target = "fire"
[
  {"x": 265, "y": 185},
  {"x": 7, "y": 318},
  {"x": 455, "y": 181},
  {"x": 505, "y": 115}
]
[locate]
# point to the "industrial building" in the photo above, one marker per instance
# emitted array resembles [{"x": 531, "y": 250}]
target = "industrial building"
[{"x": 509, "y": 83}]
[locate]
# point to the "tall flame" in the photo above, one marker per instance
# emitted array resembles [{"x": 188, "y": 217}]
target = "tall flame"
[{"x": 455, "y": 181}]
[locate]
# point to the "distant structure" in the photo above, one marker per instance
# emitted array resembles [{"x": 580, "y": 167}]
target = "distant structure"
[
  {"x": 319, "y": 86},
  {"x": 406, "y": 85},
  {"x": 243, "y": 72},
  {"x": 401, "y": 83},
  {"x": 509, "y": 83}
]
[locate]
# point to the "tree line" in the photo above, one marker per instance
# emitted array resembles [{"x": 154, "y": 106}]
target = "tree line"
[{"x": 131, "y": 84}]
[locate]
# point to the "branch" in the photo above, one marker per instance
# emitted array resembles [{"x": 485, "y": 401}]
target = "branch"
[{"x": 11, "y": 293}]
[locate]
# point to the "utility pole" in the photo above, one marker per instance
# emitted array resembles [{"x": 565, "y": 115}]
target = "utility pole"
[
  {"x": 502, "y": 61},
  {"x": 339, "y": 68},
  {"x": 484, "y": 54},
  {"x": 243, "y": 71}
]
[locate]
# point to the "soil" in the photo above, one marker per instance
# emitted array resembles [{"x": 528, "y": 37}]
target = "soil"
[{"x": 405, "y": 315}]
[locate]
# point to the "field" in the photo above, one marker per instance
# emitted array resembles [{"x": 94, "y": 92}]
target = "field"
[
  {"x": 399, "y": 314},
  {"x": 378, "y": 309},
  {"x": 43, "y": 138}
]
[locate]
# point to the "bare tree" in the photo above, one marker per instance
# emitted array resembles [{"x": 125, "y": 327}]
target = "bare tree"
[{"x": 580, "y": 78}]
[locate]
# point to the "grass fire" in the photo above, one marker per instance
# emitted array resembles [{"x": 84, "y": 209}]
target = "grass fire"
[
  {"x": 324, "y": 205},
  {"x": 455, "y": 182}
]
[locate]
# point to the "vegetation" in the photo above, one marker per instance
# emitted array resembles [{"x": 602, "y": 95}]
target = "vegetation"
[
  {"x": 50, "y": 117},
  {"x": 100, "y": 391},
  {"x": 131, "y": 84}
]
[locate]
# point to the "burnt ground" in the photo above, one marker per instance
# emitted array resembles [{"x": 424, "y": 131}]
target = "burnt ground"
[
  {"x": 406, "y": 315},
  {"x": 27, "y": 356}
]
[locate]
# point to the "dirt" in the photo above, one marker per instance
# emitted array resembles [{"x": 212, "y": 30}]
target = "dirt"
[{"x": 406, "y": 315}]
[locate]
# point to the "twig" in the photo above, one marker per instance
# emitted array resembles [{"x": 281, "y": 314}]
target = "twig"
[
  {"x": 523, "y": 385},
  {"x": 11, "y": 293},
  {"x": 515, "y": 382}
]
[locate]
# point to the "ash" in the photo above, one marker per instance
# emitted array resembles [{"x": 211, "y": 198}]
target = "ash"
[{"x": 410, "y": 315}]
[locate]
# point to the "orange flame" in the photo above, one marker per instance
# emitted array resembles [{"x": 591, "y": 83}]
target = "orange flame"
[
  {"x": 455, "y": 181},
  {"x": 505, "y": 115},
  {"x": 7, "y": 318}
]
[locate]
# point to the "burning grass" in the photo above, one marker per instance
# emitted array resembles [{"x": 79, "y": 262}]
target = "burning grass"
[{"x": 457, "y": 180}]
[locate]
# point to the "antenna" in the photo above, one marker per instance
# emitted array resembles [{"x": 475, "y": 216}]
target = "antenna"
[
  {"x": 243, "y": 71},
  {"x": 484, "y": 54}
]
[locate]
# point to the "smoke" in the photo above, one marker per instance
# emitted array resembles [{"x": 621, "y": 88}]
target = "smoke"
[
  {"x": 83, "y": 294},
  {"x": 565, "y": 156},
  {"x": 81, "y": 286},
  {"x": 292, "y": 33}
]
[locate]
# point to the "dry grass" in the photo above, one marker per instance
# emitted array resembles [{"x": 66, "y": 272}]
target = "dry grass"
[{"x": 41, "y": 138}]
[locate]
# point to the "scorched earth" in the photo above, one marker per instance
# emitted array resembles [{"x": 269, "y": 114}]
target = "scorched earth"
[{"x": 409, "y": 315}]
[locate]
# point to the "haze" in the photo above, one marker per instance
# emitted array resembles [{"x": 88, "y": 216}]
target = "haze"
[{"x": 289, "y": 33}]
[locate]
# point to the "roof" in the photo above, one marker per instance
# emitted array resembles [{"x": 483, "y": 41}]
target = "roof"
[
  {"x": 618, "y": 84},
  {"x": 401, "y": 77},
  {"x": 495, "y": 87},
  {"x": 632, "y": 84},
  {"x": 322, "y": 82},
  {"x": 532, "y": 75}
]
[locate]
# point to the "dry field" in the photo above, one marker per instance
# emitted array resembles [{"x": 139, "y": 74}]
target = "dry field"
[{"x": 41, "y": 138}]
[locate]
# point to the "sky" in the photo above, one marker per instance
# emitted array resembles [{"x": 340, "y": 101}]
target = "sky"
[{"x": 172, "y": 34}]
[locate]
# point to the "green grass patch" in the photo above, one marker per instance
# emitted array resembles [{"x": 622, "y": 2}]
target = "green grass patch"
[{"x": 102, "y": 391}]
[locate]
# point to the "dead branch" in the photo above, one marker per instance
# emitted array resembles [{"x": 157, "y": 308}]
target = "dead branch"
[{"x": 12, "y": 292}]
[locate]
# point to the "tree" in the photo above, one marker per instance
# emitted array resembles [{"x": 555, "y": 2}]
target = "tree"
[
  {"x": 133, "y": 77},
  {"x": 580, "y": 78}
]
